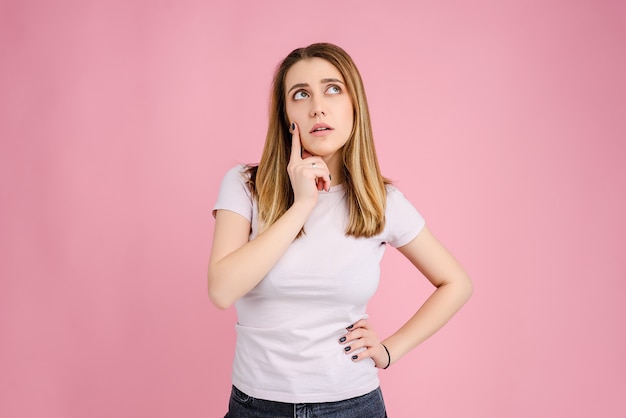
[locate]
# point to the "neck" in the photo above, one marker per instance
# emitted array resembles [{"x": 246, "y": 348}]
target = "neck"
[{"x": 335, "y": 166}]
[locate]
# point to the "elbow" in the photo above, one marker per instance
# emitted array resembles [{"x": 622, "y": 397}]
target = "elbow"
[
  {"x": 218, "y": 302},
  {"x": 461, "y": 287},
  {"x": 468, "y": 288},
  {"x": 217, "y": 297}
]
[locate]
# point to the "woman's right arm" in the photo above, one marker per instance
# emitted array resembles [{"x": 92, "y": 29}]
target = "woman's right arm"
[{"x": 237, "y": 265}]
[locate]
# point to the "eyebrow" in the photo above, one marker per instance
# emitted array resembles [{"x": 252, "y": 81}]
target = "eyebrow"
[{"x": 323, "y": 80}]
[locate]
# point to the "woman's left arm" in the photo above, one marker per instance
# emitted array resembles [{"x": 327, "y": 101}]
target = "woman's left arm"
[{"x": 453, "y": 289}]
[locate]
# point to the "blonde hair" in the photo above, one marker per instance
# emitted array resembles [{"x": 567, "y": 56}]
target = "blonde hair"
[{"x": 365, "y": 185}]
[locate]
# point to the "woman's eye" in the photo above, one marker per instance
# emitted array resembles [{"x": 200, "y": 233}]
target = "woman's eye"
[
  {"x": 300, "y": 95},
  {"x": 333, "y": 90}
]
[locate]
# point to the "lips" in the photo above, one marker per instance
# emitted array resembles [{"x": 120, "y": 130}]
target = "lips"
[{"x": 320, "y": 127}]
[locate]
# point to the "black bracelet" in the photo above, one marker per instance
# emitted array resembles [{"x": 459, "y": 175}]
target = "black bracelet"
[{"x": 388, "y": 356}]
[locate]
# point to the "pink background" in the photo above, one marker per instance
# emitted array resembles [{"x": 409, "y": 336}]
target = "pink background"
[{"x": 504, "y": 123}]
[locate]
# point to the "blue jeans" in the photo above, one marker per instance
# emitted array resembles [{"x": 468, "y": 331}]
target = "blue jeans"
[{"x": 370, "y": 405}]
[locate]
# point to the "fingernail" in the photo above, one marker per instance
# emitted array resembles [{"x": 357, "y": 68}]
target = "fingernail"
[
  {"x": 350, "y": 327},
  {"x": 347, "y": 348},
  {"x": 293, "y": 126},
  {"x": 354, "y": 357},
  {"x": 342, "y": 339}
]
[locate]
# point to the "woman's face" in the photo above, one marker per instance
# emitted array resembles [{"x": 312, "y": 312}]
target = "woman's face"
[{"x": 317, "y": 100}]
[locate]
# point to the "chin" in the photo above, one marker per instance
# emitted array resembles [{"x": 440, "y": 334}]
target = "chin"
[{"x": 326, "y": 153}]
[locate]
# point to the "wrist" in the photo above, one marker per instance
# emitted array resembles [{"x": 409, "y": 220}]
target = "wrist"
[
  {"x": 304, "y": 205},
  {"x": 388, "y": 356}
]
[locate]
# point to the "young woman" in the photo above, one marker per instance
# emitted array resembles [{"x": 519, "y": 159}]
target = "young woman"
[{"x": 297, "y": 245}]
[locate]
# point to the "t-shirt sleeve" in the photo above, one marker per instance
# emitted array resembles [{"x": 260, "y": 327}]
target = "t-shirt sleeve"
[
  {"x": 403, "y": 221},
  {"x": 234, "y": 194}
]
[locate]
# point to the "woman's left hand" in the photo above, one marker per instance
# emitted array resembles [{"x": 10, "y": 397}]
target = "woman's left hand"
[{"x": 361, "y": 335}]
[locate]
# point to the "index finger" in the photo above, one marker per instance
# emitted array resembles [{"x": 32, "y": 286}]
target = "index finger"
[
  {"x": 361, "y": 323},
  {"x": 296, "y": 145}
]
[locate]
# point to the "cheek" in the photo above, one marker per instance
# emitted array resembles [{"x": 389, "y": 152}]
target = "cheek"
[
  {"x": 290, "y": 110},
  {"x": 348, "y": 112},
  {"x": 349, "y": 118},
  {"x": 293, "y": 116}
]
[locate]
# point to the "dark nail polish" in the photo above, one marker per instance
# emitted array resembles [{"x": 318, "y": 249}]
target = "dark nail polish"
[
  {"x": 350, "y": 327},
  {"x": 293, "y": 126},
  {"x": 347, "y": 348},
  {"x": 354, "y": 357},
  {"x": 342, "y": 339},
  {"x": 330, "y": 177}
]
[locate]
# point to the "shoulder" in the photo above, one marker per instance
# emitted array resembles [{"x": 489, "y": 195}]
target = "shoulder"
[
  {"x": 395, "y": 198},
  {"x": 399, "y": 206},
  {"x": 241, "y": 174},
  {"x": 403, "y": 221},
  {"x": 393, "y": 193},
  {"x": 241, "y": 171},
  {"x": 235, "y": 192},
  {"x": 238, "y": 179}
]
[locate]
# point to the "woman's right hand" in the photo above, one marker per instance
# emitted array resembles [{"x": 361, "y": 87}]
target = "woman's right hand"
[
  {"x": 309, "y": 174},
  {"x": 238, "y": 264}
]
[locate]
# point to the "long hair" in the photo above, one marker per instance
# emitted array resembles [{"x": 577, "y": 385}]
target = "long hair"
[{"x": 365, "y": 185}]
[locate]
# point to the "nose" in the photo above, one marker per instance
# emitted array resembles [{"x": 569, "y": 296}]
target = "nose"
[{"x": 317, "y": 107}]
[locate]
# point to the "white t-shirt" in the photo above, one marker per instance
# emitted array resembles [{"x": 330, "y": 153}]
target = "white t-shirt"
[{"x": 289, "y": 325}]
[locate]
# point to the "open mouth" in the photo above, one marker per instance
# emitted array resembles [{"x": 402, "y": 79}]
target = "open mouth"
[{"x": 320, "y": 127}]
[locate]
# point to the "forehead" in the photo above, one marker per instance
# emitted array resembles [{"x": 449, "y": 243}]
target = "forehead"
[{"x": 310, "y": 71}]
